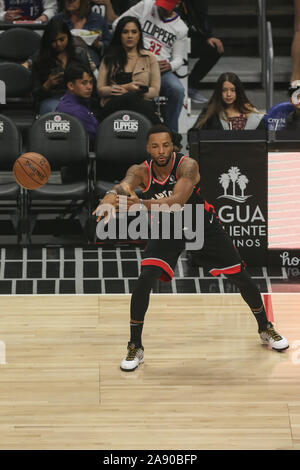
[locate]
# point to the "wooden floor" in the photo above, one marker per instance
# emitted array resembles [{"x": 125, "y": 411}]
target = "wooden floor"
[{"x": 207, "y": 382}]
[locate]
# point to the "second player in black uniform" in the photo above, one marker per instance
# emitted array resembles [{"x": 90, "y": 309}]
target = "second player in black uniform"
[{"x": 170, "y": 178}]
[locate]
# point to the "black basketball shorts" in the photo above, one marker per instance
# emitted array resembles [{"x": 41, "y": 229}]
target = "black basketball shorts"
[{"x": 218, "y": 254}]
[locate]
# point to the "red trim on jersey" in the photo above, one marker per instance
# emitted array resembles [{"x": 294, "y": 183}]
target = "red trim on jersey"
[
  {"x": 167, "y": 275},
  {"x": 179, "y": 163},
  {"x": 166, "y": 179},
  {"x": 208, "y": 206},
  {"x": 229, "y": 270},
  {"x": 149, "y": 177}
]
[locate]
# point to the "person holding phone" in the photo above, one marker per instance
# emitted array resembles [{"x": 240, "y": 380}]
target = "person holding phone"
[
  {"x": 129, "y": 76},
  {"x": 48, "y": 66}
]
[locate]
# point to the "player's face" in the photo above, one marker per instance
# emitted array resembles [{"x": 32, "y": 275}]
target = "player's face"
[
  {"x": 60, "y": 42},
  {"x": 160, "y": 147},
  {"x": 82, "y": 87},
  {"x": 228, "y": 93},
  {"x": 130, "y": 36}
]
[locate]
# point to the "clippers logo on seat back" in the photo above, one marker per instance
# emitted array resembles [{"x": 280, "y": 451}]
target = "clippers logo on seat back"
[
  {"x": 126, "y": 124},
  {"x": 57, "y": 124}
]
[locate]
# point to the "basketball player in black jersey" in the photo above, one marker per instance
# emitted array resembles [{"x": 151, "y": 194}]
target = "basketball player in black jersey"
[{"x": 171, "y": 178}]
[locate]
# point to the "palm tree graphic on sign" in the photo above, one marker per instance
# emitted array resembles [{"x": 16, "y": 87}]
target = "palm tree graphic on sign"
[{"x": 235, "y": 177}]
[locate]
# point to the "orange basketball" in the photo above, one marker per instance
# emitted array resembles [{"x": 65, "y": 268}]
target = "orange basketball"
[{"x": 31, "y": 170}]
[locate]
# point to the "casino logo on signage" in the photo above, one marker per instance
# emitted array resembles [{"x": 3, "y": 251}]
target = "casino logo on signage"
[
  {"x": 247, "y": 224},
  {"x": 57, "y": 124},
  {"x": 1, "y": 126},
  {"x": 232, "y": 180},
  {"x": 126, "y": 125}
]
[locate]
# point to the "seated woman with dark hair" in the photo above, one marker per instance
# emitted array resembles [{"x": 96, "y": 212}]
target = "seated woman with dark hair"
[
  {"x": 129, "y": 76},
  {"x": 229, "y": 108},
  {"x": 56, "y": 52},
  {"x": 78, "y": 15}
]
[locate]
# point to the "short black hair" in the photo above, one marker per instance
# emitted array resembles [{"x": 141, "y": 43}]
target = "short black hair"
[
  {"x": 159, "y": 128},
  {"x": 75, "y": 71}
]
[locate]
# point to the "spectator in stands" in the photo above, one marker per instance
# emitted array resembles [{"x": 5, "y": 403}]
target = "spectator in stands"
[
  {"x": 164, "y": 34},
  {"x": 204, "y": 45},
  {"x": 129, "y": 75},
  {"x": 78, "y": 15},
  {"x": 111, "y": 9},
  {"x": 79, "y": 82},
  {"x": 293, "y": 119},
  {"x": 48, "y": 66},
  {"x": 40, "y": 10},
  {"x": 275, "y": 119},
  {"x": 229, "y": 107}
]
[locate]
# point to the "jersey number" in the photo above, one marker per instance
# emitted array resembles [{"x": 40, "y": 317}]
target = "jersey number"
[{"x": 155, "y": 48}]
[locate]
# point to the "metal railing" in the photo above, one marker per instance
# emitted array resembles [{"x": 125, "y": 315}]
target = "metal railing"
[
  {"x": 2, "y": 92},
  {"x": 269, "y": 68},
  {"x": 262, "y": 39},
  {"x": 266, "y": 53}
]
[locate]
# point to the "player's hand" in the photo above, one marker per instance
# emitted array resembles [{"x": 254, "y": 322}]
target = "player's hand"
[
  {"x": 215, "y": 42},
  {"x": 124, "y": 202},
  {"x": 106, "y": 208}
]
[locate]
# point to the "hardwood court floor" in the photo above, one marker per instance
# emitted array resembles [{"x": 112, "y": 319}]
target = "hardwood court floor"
[{"x": 207, "y": 382}]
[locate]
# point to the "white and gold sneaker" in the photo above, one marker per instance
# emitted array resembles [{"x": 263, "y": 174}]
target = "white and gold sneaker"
[
  {"x": 273, "y": 338},
  {"x": 135, "y": 356}
]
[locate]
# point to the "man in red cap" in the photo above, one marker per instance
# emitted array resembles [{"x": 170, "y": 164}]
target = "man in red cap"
[
  {"x": 167, "y": 5},
  {"x": 164, "y": 34}
]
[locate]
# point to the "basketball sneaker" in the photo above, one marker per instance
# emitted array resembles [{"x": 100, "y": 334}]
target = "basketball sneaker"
[
  {"x": 273, "y": 338},
  {"x": 135, "y": 356}
]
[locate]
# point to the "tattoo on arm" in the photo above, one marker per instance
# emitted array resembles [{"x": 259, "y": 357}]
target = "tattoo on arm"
[
  {"x": 189, "y": 169},
  {"x": 120, "y": 190},
  {"x": 134, "y": 178}
]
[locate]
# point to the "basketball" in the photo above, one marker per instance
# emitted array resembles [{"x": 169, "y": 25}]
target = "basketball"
[{"x": 31, "y": 170}]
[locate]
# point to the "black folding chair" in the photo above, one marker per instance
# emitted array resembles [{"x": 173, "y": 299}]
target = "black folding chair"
[
  {"x": 11, "y": 195},
  {"x": 63, "y": 140}
]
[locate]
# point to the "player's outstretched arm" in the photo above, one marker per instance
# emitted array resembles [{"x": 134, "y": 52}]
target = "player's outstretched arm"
[{"x": 136, "y": 176}]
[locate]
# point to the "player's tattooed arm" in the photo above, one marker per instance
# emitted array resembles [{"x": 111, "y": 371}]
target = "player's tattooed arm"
[
  {"x": 189, "y": 169},
  {"x": 136, "y": 176}
]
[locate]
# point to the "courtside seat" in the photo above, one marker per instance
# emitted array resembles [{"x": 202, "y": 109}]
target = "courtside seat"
[
  {"x": 63, "y": 140},
  {"x": 10, "y": 192},
  {"x": 18, "y": 44},
  {"x": 10, "y": 150},
  {"x": 78, "y": 190},
  {"x": 19, "y": 106},
  {"x": 120, "y": 142}
]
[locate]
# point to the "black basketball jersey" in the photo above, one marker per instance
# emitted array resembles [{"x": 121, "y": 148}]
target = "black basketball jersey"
[{"x": 156, "y": 189}]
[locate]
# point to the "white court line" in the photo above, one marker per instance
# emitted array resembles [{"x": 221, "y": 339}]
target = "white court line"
[{"x": 96, "y": 295}]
